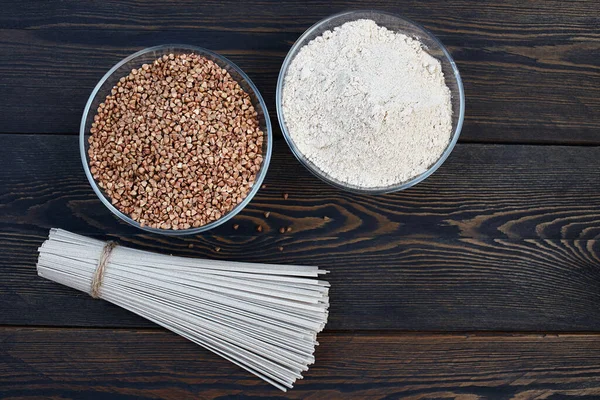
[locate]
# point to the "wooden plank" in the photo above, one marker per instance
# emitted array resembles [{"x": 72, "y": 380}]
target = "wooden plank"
[
  {"x": 500, "y": 238},
  {"x": 527, "y": 66},
  {"x": 482, "y": 191},
  {"x": 80, "y": 363},
  {"x": 377, "y": 283}
]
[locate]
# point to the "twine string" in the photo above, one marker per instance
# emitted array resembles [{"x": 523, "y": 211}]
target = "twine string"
[{"x": 99, "y": 273}]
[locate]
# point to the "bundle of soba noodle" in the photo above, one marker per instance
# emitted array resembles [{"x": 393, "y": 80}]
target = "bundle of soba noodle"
[{"x": 261, "y": 317}]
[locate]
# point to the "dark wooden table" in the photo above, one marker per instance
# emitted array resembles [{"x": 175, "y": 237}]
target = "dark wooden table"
[{"x": 481, "y": 282}]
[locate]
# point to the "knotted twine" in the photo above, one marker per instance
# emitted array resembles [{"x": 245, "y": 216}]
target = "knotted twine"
[{"x": 99, "y": 273}]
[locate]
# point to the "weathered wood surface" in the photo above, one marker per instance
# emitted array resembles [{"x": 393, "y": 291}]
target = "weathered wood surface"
[
  {"x": 530, "y": 68},
  {"x": 482, "y": 191},
  {"x": 122, "y": 364},
  {"x": 502, "y": 237},
  {"x": 377, "y": 284},
  {"x": 505, "y": 237}
]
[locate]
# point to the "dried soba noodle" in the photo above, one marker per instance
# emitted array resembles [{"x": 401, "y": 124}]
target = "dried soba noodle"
[{"x": 261, "y": 317}]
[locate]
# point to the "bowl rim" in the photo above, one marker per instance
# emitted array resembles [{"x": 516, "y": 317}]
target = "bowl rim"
[
  {"x": 319, "y": 174},
  {"x": 259, "y": 177}
]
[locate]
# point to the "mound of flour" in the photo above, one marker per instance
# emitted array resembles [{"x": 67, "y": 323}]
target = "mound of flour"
[{"x": 369, "y": 107}]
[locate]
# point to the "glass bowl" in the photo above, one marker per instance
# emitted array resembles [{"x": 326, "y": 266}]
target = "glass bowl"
[
  {"x": 396, "y": 24},
  {"x": 123, "y": 68}
]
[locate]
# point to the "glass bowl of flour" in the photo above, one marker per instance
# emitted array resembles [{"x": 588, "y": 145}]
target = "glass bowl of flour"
[{"x": 370, "y": 102}]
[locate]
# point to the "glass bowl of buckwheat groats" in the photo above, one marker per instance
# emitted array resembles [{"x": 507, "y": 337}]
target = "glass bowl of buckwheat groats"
[
  {"x": 370, "y": 102},
  {"x": 175, "y": 139}
]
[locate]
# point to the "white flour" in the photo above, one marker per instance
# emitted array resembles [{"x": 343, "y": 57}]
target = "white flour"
[{"x": 369, "y": 107}]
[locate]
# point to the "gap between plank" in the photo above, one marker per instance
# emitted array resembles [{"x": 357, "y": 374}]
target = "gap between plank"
[
  {"x": 279, "y": 137},
  {"x": 356, "y": 332}
]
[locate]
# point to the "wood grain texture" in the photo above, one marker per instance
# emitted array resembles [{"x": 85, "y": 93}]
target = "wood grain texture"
[
  {"x": 121, "y": 364},
  {"x": 500, "y": 238},
  {"x": 377, "y": 284},
  {"x": 528, "y": 67},
  {"x": 482, "y": 191}
]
